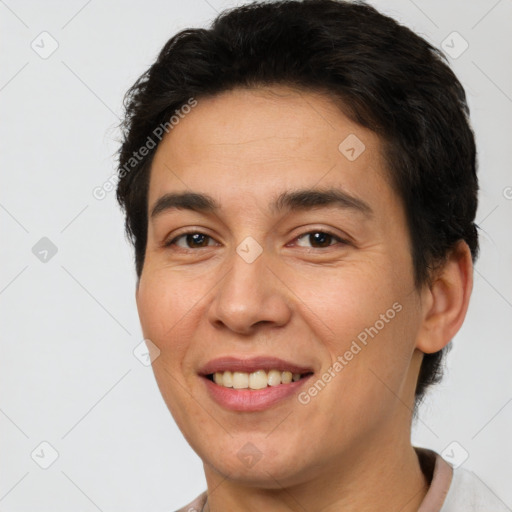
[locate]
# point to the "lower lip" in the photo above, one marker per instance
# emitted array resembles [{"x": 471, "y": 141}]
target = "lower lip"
[{"x": 247, "y": 400}]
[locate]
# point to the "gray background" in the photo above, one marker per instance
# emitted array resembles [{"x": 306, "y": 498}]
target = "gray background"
[{"x": 68, "y": 375}]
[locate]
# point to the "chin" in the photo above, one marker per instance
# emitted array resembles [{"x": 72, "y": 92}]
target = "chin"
[{"x": 256, "y": 463}]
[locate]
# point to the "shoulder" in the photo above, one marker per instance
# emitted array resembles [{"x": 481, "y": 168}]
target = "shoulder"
[
  {"x": 196, "y": 505},
  {"x": 469, "y": 493},
  {"x": 455, "y": 490}
]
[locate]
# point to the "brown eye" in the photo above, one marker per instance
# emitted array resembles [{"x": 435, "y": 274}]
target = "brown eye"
[
  {"x": 191, "y": 241},
  {"x": 319, "y": 239}
]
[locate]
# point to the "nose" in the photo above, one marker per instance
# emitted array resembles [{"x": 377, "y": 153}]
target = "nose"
[{"x": 249, "y": 296}]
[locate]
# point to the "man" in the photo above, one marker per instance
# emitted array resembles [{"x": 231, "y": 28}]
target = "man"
[{"x": 299, "y": 183}]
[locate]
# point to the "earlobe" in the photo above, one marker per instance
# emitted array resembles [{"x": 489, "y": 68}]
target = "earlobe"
[{"x": 446, "y": 300}]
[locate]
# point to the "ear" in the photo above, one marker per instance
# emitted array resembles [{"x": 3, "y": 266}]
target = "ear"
[{"x": 445, "y": 301}]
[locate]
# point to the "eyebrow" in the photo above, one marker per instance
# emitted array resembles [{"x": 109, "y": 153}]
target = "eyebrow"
[{"x": 298, "y": 200}]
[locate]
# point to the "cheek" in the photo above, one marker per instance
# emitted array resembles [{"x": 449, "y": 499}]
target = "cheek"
[
  {"x": 367, "y": 317},
  {"x": 344, "y": 303},
  {"x": 167, "y": 318},
  {"x": 163, "y": 305}
]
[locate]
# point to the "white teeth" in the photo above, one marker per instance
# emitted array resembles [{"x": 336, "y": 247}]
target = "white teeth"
[
  {"x": 259, "y": 379},
  {"x": 240, "y": 380},
  {"x": 274, "y": 378},
  {"x": 286, "y": 377},
  {"x": 227, "y": 379}
]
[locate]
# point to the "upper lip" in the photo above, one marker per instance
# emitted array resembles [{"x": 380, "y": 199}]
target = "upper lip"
[{"x": 249, "y": 365}]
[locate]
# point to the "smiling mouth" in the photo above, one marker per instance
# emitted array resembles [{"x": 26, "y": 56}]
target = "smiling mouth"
[{"x": 259, "y": 379}]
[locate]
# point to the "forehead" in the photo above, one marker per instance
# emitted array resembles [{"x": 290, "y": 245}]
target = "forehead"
[{"x": 253, "y": 142}]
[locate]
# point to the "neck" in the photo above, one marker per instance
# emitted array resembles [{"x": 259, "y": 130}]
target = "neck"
[{"x": 386, "y": 478}]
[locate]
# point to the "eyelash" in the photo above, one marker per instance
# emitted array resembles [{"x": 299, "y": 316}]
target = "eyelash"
[{"x": 171, "y": 242}]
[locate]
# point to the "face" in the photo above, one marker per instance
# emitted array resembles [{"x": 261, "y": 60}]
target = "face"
[{"x": 265, "y": 268}]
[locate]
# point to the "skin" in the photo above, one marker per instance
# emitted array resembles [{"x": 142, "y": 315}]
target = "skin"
[{"x": 349, "y": 448}]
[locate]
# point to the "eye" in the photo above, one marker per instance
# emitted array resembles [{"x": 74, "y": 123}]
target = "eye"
[
  {"x": 197, "y": 240},
  {"x": 320, "y": 239},
  {"x": 190, "y": 240}
]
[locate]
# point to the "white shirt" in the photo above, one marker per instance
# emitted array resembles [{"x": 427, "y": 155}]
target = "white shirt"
[{"x": 469, "y": 494}]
